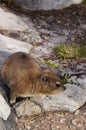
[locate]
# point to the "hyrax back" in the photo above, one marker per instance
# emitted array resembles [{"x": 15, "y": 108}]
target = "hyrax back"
[{"x": 23, "y": 75}]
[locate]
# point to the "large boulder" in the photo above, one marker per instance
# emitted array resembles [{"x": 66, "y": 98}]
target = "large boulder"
[
  {"x": 45, "y": 4},
  {"x": 10, "y": 21},
  {"x": 11, "y": 45}
]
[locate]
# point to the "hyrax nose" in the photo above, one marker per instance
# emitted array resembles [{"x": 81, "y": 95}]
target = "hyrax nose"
[{"x": 58, "y": 84}]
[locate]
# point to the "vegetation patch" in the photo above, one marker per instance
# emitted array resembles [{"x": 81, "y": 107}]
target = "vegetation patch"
[
  {"x": 51, "y": 65},
  {"x": 64, "y": 51},
  {"x": 65, "y": 78}
]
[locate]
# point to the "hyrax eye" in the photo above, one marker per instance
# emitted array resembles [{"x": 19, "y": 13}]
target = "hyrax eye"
[{"x": 44, "y": 78}]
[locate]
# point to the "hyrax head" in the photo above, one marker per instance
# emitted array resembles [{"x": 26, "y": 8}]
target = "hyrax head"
[{"x": 50, "y": 83}]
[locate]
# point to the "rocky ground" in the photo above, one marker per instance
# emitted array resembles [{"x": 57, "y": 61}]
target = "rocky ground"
[
  {"x": 68, "y": 26},
  {"x": 55, "y": 121}
]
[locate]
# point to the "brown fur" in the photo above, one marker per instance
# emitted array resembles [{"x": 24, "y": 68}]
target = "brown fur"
[{"x": 24, "y": 77}]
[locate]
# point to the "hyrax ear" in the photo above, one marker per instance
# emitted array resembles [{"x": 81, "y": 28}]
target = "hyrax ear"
[{"x": 44, "y": 78}]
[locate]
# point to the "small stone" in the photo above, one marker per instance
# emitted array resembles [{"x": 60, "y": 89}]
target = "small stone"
[
  {"x": 80, "y": 125},
  {"x": 36, "y": 126},
  {"x": 26, "y": 107},
  {"x": 28, "y": 127},
  {"x": 42, "y": 122},
  {"x": 57, "y": 127},
  {"x": 74, "y": 122},
  {"x": 76, "y": 112},
  {"x": 52, "y": 128},
  {"x": 84, "y": 113},
  {"x": 62, "y": 120}
]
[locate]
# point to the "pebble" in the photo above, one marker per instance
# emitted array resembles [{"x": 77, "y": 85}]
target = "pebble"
[
  {"x": 74, "y": 122},
  {"x": 62, "y": 120},
  {"x": 76, "y": 112},
  {"x": 57, "y": 127},
  {"x": 84, "y": 113},
  {"x": 52, "y": 128},
  {"x": 28, "y": 127}
]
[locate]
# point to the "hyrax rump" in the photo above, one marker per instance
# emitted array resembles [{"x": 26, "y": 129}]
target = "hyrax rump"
[{"x": 23, "y": 75}]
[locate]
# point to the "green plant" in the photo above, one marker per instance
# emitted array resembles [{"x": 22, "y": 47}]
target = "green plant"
[
  {"x": 51, "y": 64},
  {"x": 65, "y": 78},
  {"x": 70, "y": 51}
]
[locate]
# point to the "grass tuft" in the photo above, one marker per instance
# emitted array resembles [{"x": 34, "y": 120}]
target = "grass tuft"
[{"x": 70, "y": 51}]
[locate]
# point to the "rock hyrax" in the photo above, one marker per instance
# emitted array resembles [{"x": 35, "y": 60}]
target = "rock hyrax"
[{"x": 25, "y": 78}]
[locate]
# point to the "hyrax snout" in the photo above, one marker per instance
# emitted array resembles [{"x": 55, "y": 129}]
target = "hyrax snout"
[{"x": 23, "y": 75}]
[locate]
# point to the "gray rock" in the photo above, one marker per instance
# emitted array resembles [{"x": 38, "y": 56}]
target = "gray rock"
[
  {"x": 69, "y": 100},
  {"x": 8, "y": 124},
  {"x": 10, "y": 21},
  {"x": 45, "y": 4},
  {"x": 7, "y": 115},
  {"x": 2, "y": 124},
  {"x": 11, "y": 121},
  {"x": 27, "y": 108},
  {"x": 12, "y": 45},
  {"x": 4, "y": 108}
]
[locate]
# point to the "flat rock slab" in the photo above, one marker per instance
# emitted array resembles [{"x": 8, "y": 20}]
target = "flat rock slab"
[
  {"x": 10, "y": 21},
  {"x": 45, "y": 4},
  {"x": 11, "y": 45},
  {"x": 69, "y": 100}
]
